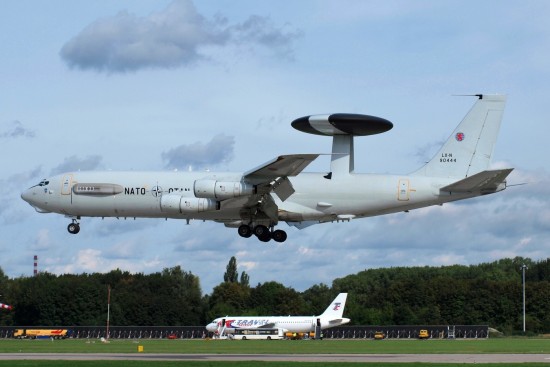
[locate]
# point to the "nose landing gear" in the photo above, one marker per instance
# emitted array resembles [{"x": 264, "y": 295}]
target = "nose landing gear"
[{"x": 74, "y": 227}]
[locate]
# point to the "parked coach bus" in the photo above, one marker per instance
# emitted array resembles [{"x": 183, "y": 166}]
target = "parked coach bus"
[{"x": 259, "y": 333}]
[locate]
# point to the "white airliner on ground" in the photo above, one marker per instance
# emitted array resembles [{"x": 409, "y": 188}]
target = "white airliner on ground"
[
  {"x": 258, "y": 200},
  {"x": 295, "y": 324}
]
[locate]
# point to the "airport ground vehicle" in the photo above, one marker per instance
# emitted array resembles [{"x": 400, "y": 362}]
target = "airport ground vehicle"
[
  {"x": 41, "y": 333},
  {"x": 298, "y": 336},
  {"x": 379, "y": 335},
  {"x": 258, "y": 333},
  {"x": 423, "y": 334}
]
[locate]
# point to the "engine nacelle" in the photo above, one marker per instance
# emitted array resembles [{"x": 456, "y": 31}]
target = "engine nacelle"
[
  {"x": 221, "y": 190},
  {"x": 182, "y": 205}
]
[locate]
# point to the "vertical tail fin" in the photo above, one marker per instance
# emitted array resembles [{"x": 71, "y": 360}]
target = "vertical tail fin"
[
  {"x": 469, "y": 149},
  {"x": 336, "y": 309}
]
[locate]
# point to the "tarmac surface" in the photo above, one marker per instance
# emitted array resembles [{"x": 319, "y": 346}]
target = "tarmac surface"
[{"x": 395, "y": 358}]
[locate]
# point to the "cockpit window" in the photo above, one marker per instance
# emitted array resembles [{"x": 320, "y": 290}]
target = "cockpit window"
[{"x": 44, "y": 182}]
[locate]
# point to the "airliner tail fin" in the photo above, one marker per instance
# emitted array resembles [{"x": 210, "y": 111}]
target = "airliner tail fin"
[
  {"x": 469, "y": 149},
  {"x": 336, "y": 308}
]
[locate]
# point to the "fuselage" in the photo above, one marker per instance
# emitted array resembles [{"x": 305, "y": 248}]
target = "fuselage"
[
  {"x": 294, "y": 324},
  {"x": 152, "y": 195},
  {"x": 333, "y": 316},
  {"x": 256, "y": 201}
]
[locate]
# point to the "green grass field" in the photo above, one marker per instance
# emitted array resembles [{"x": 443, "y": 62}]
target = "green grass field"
[
  {"x": 500, "y": 345},
  {"x": 497, "y": 345}
]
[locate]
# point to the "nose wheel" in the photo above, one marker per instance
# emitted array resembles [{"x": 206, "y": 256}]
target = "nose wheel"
[{"x": 74, "y": 227}]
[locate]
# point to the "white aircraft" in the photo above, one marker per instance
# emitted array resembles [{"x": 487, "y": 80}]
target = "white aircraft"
[
  {"x": 258, "y": 200},
  {"x": 295, "y": 324}
]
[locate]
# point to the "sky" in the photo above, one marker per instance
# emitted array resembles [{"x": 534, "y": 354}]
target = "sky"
[{"x": 163, "y": 85}]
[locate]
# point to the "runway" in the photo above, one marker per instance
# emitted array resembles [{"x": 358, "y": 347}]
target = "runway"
[{"x": 388, "y": 358}]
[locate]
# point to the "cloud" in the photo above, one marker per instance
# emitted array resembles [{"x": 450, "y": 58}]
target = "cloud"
[
  {"x": 17, "y": 130},
  {"x": 128, "y": 249},
  {"x": 73, "y": 163},
  {"x": 93, "y": 260},
  {"x": 10, "y": 212},
  {"x": 126, "y": 42},
  {"x": 18, "y": 179},
  {"x": 216, "y": 151},
  {"x": 260, "y": 30},
  {"x": 43, "y": 240},
  {"x": 170, "y": 38},
  {"x": 426, "y": 152},
  {"x": 89, "y": 260},
  {"x": 112, "y": 227}
]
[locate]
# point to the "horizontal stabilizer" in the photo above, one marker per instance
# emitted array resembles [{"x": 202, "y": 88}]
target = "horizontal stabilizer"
[
  {"x": 486, "y": 182},
  {"x": 284, "y": 165}
]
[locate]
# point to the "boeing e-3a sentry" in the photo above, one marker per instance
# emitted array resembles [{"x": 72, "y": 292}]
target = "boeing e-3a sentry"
[
  {"x": 258, "y": 200},
  {"x": 332, "y": 317}
]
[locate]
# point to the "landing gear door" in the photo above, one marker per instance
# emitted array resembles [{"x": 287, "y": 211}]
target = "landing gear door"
[
  {"x": 66, "y": 184},
  {"x": 403, "y": 190}
]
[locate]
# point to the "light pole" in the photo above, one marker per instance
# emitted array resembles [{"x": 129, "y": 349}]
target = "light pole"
[
  {"x": 109, "y": 309},
  {"x": 523, "y": 267}
]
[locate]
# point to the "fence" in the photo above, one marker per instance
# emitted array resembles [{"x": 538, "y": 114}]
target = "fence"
[{"x": 197, "y": 332}]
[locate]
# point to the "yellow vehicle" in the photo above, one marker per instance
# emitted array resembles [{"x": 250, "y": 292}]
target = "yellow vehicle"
[
  {"x": 379, "y": 335},
  {"x": 41, "y": 333},
  {"x": 298, "y": 336},
  {"x": 423, "y": 334}
]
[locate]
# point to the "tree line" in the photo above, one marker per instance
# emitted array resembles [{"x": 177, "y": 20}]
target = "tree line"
[{"x": 488, "y": 293}]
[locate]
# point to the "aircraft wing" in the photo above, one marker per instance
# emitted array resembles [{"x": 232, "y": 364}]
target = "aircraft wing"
[
  {"x": 486, "y": 182},
  {"x": 273, "y": 176},
  {"x": 282, "y": 166}
]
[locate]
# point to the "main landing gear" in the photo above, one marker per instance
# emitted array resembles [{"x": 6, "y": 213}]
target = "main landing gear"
[
  {"x": 74, "y": 227},
  {"x": 263, "y": 233}
]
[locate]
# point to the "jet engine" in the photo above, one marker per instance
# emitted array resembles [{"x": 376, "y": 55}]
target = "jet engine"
[
  {"x": 212, "y": 189},
  {"x": 182, "y": 204}
]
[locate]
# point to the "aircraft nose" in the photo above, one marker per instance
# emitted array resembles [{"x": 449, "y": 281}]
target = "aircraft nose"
[
  {"x": 33, "y": 197},
  {"x": 27, "y": 195}
]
